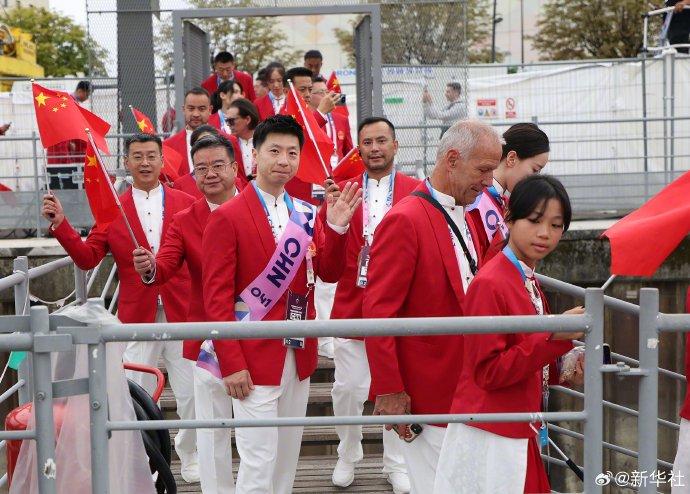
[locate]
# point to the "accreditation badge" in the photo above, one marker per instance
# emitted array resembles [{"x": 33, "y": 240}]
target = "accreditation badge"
[
  {"x": 318, "y": 192},
  {"x": 295, "y": 310},
  {"x": 363, "y": 265}
]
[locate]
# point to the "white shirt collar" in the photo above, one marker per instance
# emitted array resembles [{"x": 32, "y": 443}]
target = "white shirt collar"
[
  {"x": 271, "y": 199},
  {"x": 384, "y": 180},
  {"x": 212, "y": 206},
  {"x": 529, "y": 272},
  {"x": 155, "y": 192},
  {"x": 246, "y": 142},
  {"x": 446, "y": 200}
]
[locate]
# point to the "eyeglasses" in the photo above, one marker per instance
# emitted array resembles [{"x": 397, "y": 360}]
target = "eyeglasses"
[
  {"x": 230, "y": 120},
  {"x": 202, "y": 170},
  {"x": 138, "y": 159}
]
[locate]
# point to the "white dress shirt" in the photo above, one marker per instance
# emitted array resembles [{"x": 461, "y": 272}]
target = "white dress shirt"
[
  {"x": 149, "y": 206},
  {"x": 457, "y": 214},
  {"x": 277, "y": 102},
  {"x": 279, "y": 214},
  {"x": 246, "y": 146},
  {"x": 377, "y": 193},
  {"x": 189, "y": 149},
  {"x": 333, "y": 134}
]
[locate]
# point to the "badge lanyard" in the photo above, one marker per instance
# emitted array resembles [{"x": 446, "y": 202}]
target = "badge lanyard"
[
  {"x": 311, "y": 278},
  {"x": 273, "y": 99},
  {"x": 368, "y": 235},
  {"x": 538, "y": 304},
  {"x": 494, "y": 193}
]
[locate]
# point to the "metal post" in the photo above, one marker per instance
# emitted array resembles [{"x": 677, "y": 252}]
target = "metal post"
[
  {"x": 649, "y": 384},
  {"x": 21, "y": 306},
  {"x": 98, "y": 400},
  {"x": 664, "y": 101},
  {"x": 594, "y": 395},
  {"x": 645, "y": 143},
  {"x": 80, "y": 292},
  {"x": 43, "y": 407},
  {"x": 672, "y": 110},
  {"x": 37, "y": 188}
]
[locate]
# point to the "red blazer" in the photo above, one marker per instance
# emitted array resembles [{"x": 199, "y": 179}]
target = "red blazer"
[
  {"x": 349, "y": 297},
  {"x": 485, "y": 249},
  {"x": 183, "y": 245},
  {"x": 245, "y": 79},
  {"x": 342, "y": 131},
  {"x": 179, "y": 143},
  {"x": 137, "y": 302},
  {"x": 685, "y": 410},
  {"x": 503, "y": 372},
  {"x": 214, "y": 120},
  {"x": 187, "y": 184},
  {"x": 265, "y": 107},
  {"x": 237, "y": 245},
  {"x": 413, "y": 272}
]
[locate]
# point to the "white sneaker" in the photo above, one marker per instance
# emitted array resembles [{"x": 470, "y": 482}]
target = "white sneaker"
[
  {"x": 190, "y": 470},
  {"x": 400, "y": 482},
  {"x": 343, "y": 473}
]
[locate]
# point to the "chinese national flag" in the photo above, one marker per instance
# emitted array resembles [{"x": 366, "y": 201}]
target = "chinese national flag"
[
  {"x": 316, "y": 153},
  {"x": 98, "y": 191},
  {"x": 333, "y": 84},
  {"x": 665, "y": 218},
  {"x": 143, "y": 122},
  {"x": 60, "y": 118},
  {"x": 350, "y": 166},
  {"x": 172, "y": 160}
]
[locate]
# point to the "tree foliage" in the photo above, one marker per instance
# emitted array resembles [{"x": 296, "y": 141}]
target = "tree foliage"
[
  {"x": 62, "y": 47},
  {"x": 254, "y": 41},
  {"x": 591, "y": 29},
  {"x": 429, "y": 33}
]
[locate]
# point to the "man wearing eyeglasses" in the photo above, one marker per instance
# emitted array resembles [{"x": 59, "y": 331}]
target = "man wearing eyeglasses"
[
  {"x": 150, "y": 207},
  {"x": 215, "y": 170}
]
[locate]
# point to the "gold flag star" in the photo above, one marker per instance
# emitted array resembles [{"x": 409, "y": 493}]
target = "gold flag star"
[
  {"x": 41, "y": 98},
  {"x": 142, "y": 124},
  {"x": 55, "y": 108},
  {"x": 63, "y": 105},
  {"x": 92, "y": 160}
]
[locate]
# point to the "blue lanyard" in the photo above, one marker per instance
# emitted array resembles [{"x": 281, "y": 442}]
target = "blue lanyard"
[
  {"x": 513, "y": 258},
  {"x": 162, "y": 201},
  {"x": 494, "y": 193},
  {"x": 288, "y": 202}
]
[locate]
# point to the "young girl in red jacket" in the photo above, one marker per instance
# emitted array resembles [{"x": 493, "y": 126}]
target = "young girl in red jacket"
[{"x": 509, "y": 372}]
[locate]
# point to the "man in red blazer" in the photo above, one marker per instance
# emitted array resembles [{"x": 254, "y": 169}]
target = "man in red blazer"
[
  {"x": 271, "y": 104},
  {"x": 187, "y": 183},
  {"x": 336, "y": 125},
  {"x": 262, "y": 251},
  {"x": 150, "y": 207},
  {"x": 420, "y": 268},
  {"x": 383, "y": 188},
  {"x": 215, "y": 169},
  {"x": 224, "y": 70}
]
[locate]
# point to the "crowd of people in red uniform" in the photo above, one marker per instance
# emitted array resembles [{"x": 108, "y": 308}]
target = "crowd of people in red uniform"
[{"x": 239, "y": 238}]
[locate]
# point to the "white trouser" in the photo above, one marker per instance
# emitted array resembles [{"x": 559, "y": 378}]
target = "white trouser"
[
  {"x": 421, "y": 457},
  {"x": 268, "y": 455},
  {"x": 350, "y": 391},
  {"x": 180, "y": 372},
  {"x": 475, "y": 461},
  {"x": 211, "y": 401},
  {"x": 324, "y": 293},
  {"x": 680, "y": 483}
]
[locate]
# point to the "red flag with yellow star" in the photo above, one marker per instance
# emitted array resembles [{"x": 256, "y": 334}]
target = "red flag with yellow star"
[
  {"x": 333, "y": 84},
  {"x": 143, "y": 122},
  {"x": 350, "y": 166},
  {"x": 172, "y": 160},
  {"x": 98, "y": 191},
  {"x": 60, "y": 118},
  {"x": 314, "y": 161}
]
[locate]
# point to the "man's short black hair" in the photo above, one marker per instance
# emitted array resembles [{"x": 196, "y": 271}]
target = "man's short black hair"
[
  {"x": 455, "y": 86},
  {"x": 313, "y": 54},
  {"x": 84, "y": 86},
  {"x": 198, "y": 90},
  {"x": 262, "y": 75},
  {"x": 200, "y": 131},
  {"x": 223, "y": 57},
  {"x": 297, "y": 72},
  {"x": 373, "y": 120},
  {"x": 278, "y": 124},
  {"x": 141, "y": 137},
  {"x": 215, "y": 141},
  {"x": 246, "y": 108},
  {"x": 319, "y": 78}
]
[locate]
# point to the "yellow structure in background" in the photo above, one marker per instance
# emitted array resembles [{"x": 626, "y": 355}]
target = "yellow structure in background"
[{"x": 18, "y": 57}]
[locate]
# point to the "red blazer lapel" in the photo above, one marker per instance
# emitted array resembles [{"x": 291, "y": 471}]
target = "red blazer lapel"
[
  {"x": 258, "y": 215},
  {"x": 131, "y": 212}
]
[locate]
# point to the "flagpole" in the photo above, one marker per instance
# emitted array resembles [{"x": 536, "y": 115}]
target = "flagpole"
[
  {"x": 97, "y": 152},
  {"x": 306, "y": 125},
  {"x": 347, "y": 156},
  {"x": 133, "y": 114},
  {"x": 608, "y": 282}
]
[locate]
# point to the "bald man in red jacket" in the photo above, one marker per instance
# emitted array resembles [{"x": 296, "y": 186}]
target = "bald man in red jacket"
[
  {"x": 420, "y": 267},
  {"x": 150, "y": 207}
]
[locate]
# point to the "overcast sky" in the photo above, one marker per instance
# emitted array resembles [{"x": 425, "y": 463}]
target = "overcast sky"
[{"x": 76, "y": 9}]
